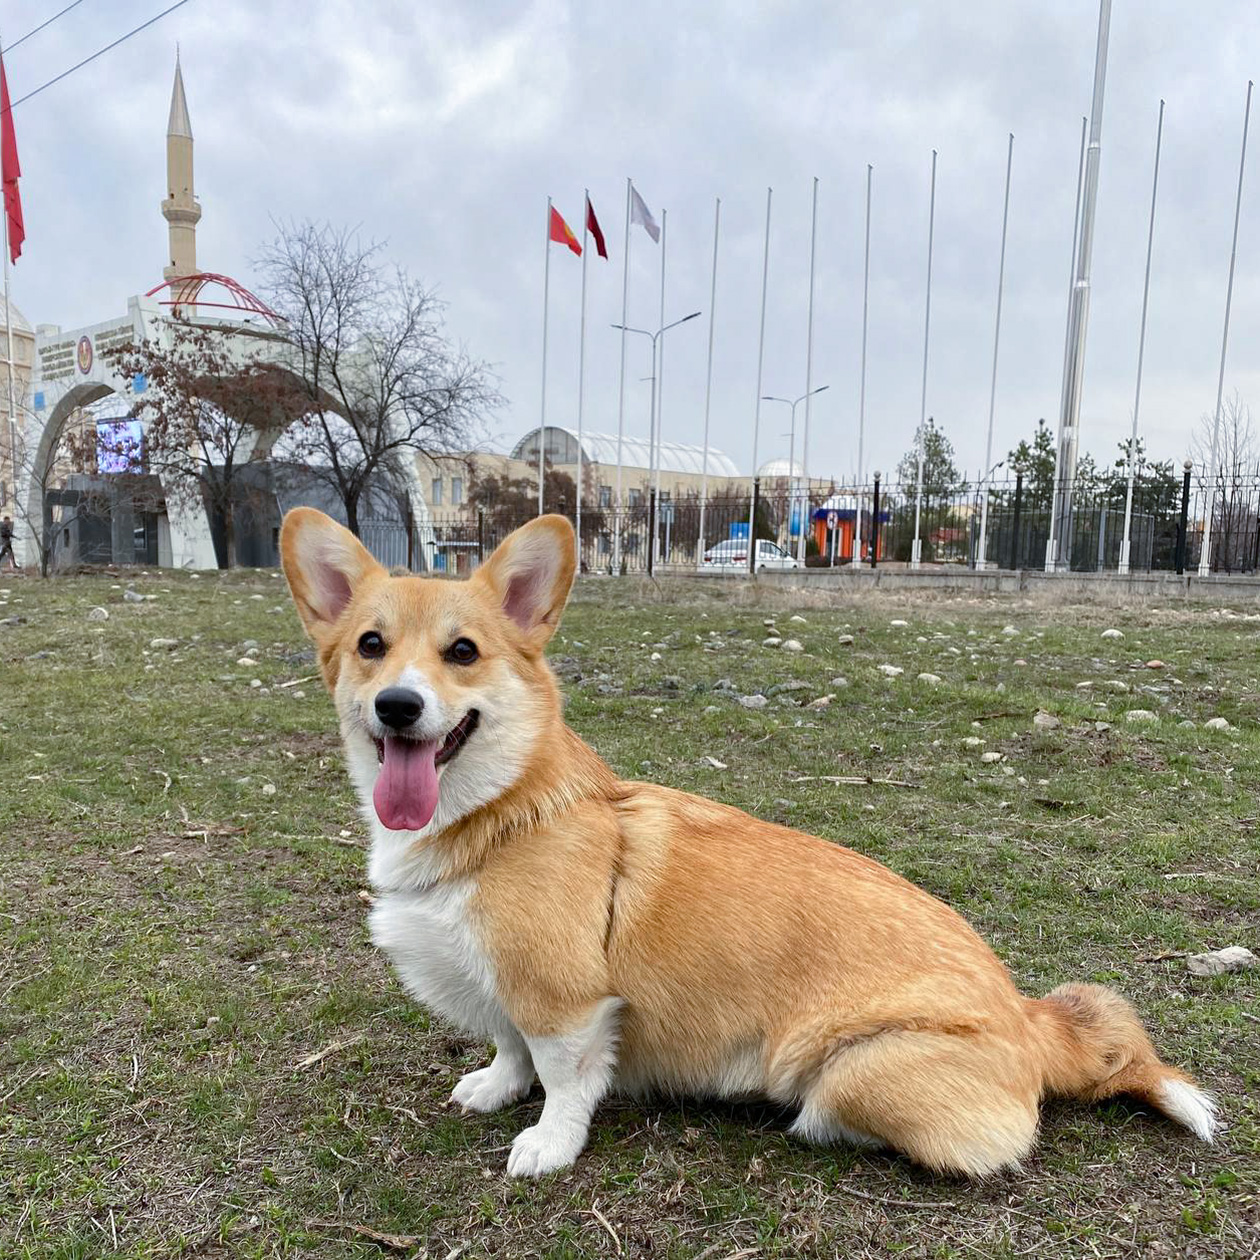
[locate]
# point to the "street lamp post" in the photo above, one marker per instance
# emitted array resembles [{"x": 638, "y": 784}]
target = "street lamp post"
[
  {"x": 793, "y": 403},
  {"x": 653, "y": 437}
]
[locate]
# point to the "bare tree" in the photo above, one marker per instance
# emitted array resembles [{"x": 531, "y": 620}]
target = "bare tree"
[
  {"x": 382, "y": 382},
  {"x": 210, "y": 410},
  {"x": 1237, "y": 475}
]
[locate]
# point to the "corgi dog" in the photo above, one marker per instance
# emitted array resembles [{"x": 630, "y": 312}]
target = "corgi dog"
[{"x": 614, "y": 935}]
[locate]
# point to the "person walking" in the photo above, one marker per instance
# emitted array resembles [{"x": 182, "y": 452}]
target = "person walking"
[{"x": 6, "y": 544}]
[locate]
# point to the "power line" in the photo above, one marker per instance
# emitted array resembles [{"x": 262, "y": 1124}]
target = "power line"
[
  {"x": 41, "y": 26},
  {"x": 121, "y": 39}
]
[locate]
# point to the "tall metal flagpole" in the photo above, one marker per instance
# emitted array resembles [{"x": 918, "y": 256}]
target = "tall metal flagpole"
[
  {"x": 1060, "y": 544},
  {"x": 542, "y": 419},
  {"x": 761, "y": 352},
  {"x": 1137, "y": 392},
  {"x": 8, "y": 336},
  {"x": 621, "y": 381},
  {"x": 1067, "y": 330},
  {"x": 1205, "y": 556},
  {"x": 708, "y": 383},
  {"x": 809, "y": 373},
  {"x": 658, "y": 376},
  {"x": 981, "y": 560},
  {"x": 866, "y": 292},
  {"x": 586, "y": 219},
  {"x": 917, "y": 546}
]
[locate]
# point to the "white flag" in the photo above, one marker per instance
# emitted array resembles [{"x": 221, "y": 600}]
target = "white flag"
[{"x": 639, "y": 213}]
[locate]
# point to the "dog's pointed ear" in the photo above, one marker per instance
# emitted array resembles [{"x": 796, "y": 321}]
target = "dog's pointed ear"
[
  {"x": 530, "y": 574},
  {"x": 324, "y": 564}
]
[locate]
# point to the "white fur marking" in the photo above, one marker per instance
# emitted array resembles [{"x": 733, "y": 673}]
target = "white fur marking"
[
  {"x": 576, "y": 1070},
  {"x": 1189, "y": 1106},
  {"x": 507, "y": 1080}
]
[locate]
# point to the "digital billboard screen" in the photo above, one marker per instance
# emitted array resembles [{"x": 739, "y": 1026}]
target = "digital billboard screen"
[{"x": 118, "y": 445}]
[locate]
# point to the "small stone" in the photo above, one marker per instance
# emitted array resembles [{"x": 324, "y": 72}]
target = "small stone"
[
  {"x": 656, "y": 656},
  {"x": 821, "y": 703},
  {"x": 1102, "y": 726},
  {"x": 838, "y": 682},
  {"x": 772, "y": 641},
  {"x": 891, "y": 671},
  {"x": 247, "y": 660},
  {"x": 972, "y": 741},
  {"x": 1113, "y": 634},
  {"x": 1156, "y": 665},
  {"x": 779, "y": 688},
  {"x": 1217, "y": 724},
  {"x": 98, "y": 614},
  {"x": 1140, "y": 715},
  {"x": 754, "y": 702},
  {"x": 898, "y": 623},
  {"x": 991, "y": 758},
  {"x": 1043, "y": 721},
  {"x": 269, "y": 789},
  {"x": 168, "y": 644},
  {"x": 1218, "y": 962},
  {"x": 844, "y": 640},
  {"x": 255, "y": 597},
  {"x": 797, "y": 618},
  {"x": 131, "y": 597},
  {"x": 1186, "y": 724},
  {"x": 768, "y": 623},
  {"x": 1084, "y": 686},
  {"x": 299, "y": 695},
  {"x": 1019, "y": 660},
  {"x": 932, "y": 680},
  {"x": 671, "y": 682},
  {"x": 1009, "y": 630},
  {"x": 255, "y": 682},
  {"x": 250, "y": 645},
  {"x": 711, "y": 708},
  {"x": 793, "y": 645},
  {"x": 1115, "y": 686}
]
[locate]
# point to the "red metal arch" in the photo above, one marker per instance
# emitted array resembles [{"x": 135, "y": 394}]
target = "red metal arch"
[{"x": 186, "y": 291}]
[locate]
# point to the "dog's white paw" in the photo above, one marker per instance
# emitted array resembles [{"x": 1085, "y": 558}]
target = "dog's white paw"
[
  {"x": 543, "y": 1149},
  {"x": 490, "y": 1088}
]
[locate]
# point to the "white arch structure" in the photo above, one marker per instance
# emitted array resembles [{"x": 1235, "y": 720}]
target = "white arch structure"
[{"x": 76, "y": 367}]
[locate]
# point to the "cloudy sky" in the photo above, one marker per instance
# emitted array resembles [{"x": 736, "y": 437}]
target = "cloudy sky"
[{"x": 442, "y": 129}]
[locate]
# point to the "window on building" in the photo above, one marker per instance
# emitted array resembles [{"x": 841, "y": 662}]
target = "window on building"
[
  {"x": 435, "y": 494},
  {"x": 457, "y": 490},
  {"x": 636, "y": 497},
  {"x": 605, "y": 496}
]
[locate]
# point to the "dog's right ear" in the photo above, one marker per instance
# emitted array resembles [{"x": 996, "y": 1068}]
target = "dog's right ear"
[{"x": 324, "y": 564}]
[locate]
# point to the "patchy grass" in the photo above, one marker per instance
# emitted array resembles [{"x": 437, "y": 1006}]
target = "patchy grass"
[{"x": 182, "y": 926}]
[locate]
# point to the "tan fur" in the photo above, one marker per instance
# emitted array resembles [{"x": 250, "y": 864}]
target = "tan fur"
[{"x": 739, "y": 950}]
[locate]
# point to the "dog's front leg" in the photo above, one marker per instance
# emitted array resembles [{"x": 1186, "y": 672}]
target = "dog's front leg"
[
  {"x": 575, "y": 1069},
  {"x": 507, "y": 1080}
]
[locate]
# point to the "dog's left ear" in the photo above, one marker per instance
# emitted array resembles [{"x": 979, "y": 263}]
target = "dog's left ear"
[
  {"x": 324, "y": 564},
  {"x": 530, "y": 574}
]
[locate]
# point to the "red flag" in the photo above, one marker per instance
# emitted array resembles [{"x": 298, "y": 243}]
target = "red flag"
[
  {"x": 592, "y": 226},
  {"x": 561, "y": 233},
  {"x": 11, "y": 169}
]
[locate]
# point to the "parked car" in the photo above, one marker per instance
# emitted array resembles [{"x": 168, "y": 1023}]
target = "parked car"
[{"x": 732, "y": 556}]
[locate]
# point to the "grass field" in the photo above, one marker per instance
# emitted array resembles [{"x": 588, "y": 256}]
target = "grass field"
[{"x": 200, "y": 1053}]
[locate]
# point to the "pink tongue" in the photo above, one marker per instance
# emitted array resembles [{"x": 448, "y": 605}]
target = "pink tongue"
[{"x": 406, "y": 792}]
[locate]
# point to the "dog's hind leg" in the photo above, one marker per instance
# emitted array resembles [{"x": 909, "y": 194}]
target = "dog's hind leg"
[
  {"x": 508, "y": 1079},
  {"x": 575, "y": 1069},
  {"x": 956, "y": 1103}
]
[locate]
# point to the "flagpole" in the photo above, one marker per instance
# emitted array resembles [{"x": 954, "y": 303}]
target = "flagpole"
[
  {"x": 866, "y": 290},
  {"x": 761, "y": 351},
  {"x": 621, "y": 381},
  {"x": 586, "y": 220},
  {"x": 1137, "y": 392},
  {"x": 809, "y": 381},
  {"x": 542, "y": 419},
  {"x": 1205, "y": 555},
  {"x": 658, "y": 376},
  {"x": 708, "y": 383},
  {"x": 8, "y": 336},
  {"x": 916, "y": 546},
  {"x": 981, "y": 561}
]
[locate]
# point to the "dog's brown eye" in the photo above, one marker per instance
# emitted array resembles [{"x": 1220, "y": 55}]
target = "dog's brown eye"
[
  {"x": 371, "y": 645},
  {"x": 462, "y": 652}
]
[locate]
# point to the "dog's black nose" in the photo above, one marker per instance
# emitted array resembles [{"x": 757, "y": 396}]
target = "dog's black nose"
[{"x": 398, "y": 707}]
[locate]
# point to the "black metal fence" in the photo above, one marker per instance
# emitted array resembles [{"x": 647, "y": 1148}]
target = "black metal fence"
[{"x": 875, "y": 524}]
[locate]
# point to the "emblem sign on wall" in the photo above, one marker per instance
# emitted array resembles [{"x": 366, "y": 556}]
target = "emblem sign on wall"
[{"x": 84, "y": 355}]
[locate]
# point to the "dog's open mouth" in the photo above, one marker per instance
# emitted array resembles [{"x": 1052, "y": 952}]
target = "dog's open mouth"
[
  {"x": 455, "y": 739},
  {"x": 406, "y": 791}
]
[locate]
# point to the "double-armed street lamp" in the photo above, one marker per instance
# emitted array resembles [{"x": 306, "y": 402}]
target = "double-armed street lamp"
[
  {"x": 793, "y": 403},
  {"x": 653, "y": 437}
]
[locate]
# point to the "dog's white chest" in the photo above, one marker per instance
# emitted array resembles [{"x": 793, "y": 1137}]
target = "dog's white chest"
[{"x": 429, "y": 938}]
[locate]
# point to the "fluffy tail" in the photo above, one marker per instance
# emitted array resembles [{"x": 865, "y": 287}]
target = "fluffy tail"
[{"x": 1093, "y": 1047}]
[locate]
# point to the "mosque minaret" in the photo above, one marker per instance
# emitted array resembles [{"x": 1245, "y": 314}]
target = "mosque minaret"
[{"x": 180, "y": 208}]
